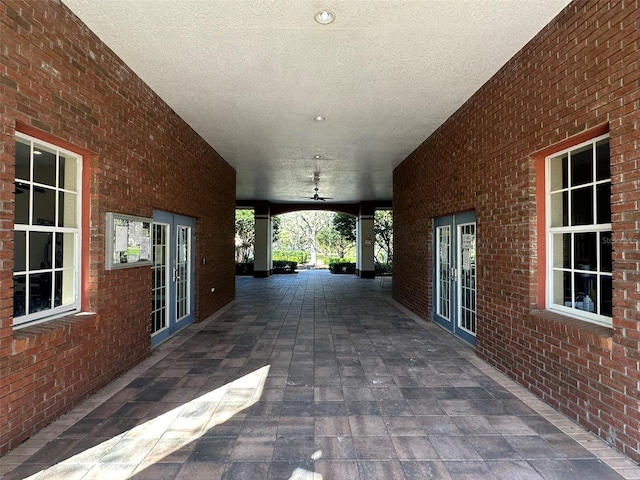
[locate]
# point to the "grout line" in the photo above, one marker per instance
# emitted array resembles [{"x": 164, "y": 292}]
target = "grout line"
[
  {"x": 602, "y": 450},
  {"x": 14, "y": 458},
  {"x": 605, "y": 452}
]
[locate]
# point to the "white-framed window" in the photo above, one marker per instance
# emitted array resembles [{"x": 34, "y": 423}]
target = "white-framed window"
[
  {"x": 579, "y": 242},
  {"x": 46, "y": 271}
]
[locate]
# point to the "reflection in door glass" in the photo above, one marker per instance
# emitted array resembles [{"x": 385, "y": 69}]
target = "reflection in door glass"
[
  {"x": 444, "y": 264},
  {"x": 183, "y": 308},
  {"x": 159, "y": 278},
  {"x": 467, "y": 259}
]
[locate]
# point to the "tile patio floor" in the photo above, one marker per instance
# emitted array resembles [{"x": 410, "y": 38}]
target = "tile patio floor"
[{"x": 314, "y": 376}]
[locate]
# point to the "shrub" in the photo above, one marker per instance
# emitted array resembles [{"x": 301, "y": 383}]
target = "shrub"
[
  {"x": 342, "y": 267},
  {"x": 384, "y": 268},
  {"x": 244, "y": 268},
  {"x": 341, "y": 260},
  {"x": 282, "y": 266},
  {"x": 297, "y": 256}
]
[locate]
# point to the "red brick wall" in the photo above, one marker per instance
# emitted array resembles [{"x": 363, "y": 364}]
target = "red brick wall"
[
  {"x": 581, "y": 71},
  {"x": 58, "y": 81}
]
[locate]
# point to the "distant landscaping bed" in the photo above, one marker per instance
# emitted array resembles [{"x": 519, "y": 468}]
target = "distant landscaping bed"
[
  {"x": 279, "y": 266},
  {"x": 342, "y": 267}
]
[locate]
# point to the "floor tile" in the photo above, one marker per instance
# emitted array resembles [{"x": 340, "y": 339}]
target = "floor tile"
[{"x": 313, "y": 376}]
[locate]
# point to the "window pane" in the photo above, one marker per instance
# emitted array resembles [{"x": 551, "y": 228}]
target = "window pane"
[
  {"x": 562, "y": 288},
  {"x": 606, "y": 248},
  {"x": 23, "y": 155},
  {"x": 40, "y": 294},
  {"x": 582, "y": 165},
  {"x": 68, "y": 173},
  {"x": 603, "y": 199},
  {"x": 19, "y": 301},
  {"x": 582, "y": 206},
  {"x": 559, "y": 209},
  {"x": 65, "y": 250},
  {"x": 44, "y": 206},
  {"x": 559, "y": 172},
  {"x": 562, "y": 250},
  {"x": 585, "y": 254},
  {"x": 44, "y": 165},
  {"x": 19, "y": 251},
  {"x": 585, "y": 285},
  {"x": 67, "y": 213},
  {"x": 603, "y": 165},
  {"x": 57, "y": 298},
  {"x": 65, "y": 290},
  {"x": 606, "y": 294},
  {"x": 59, "y": 252},
  {"x": 22, "y": 196},
  {"x": 40, "y": 250}
]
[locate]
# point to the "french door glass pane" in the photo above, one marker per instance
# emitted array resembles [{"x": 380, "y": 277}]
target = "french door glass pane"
[
  {"x": 467, "y": 248},
  {"x": 182, "y": 267},
  {"x": 444, "y": 265},
  {"x": 159, "y": 278}
]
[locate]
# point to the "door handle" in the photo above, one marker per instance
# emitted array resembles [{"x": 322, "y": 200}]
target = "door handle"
[
  {"x": 175, "y": 274},
  {"x": 453, "y": 274}
]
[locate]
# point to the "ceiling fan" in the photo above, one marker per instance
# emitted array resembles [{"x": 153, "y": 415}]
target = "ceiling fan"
[{"x": 317, "y": 197}]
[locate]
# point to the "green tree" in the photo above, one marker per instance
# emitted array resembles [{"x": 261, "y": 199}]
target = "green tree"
[
  {"x": 344, "y": 228},
  {"x": 245, "y": 235},
  {"x": 345, "y": 225},
  {"x": 300, "y": 231},
  {"x": 383, "y": 227},
  {"x": 275, "y": 228}
]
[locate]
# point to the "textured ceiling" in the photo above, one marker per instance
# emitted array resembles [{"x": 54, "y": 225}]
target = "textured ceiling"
[{"x": 250, "y": 76}]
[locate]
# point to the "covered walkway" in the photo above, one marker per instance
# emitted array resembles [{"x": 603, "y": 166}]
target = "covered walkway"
[{"x": 314, "y": 376}]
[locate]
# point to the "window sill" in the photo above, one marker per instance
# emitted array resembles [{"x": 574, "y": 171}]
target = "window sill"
[
  {"x": 589, "y": 333},
  {"x": 36, "y": 335}
]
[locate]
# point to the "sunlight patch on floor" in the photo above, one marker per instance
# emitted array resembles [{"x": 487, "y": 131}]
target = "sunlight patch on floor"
[{"x": 120, "y": 456}]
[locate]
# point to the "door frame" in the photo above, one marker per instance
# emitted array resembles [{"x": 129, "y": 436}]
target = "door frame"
[
  {"x": 454, "y": 271},
  {"x": 173, "y": 324}
]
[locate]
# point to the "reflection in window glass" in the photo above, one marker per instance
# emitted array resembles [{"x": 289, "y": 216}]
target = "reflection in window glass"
[
  {"x": 580, "y": 250},
  {"x": 46, "y": 231}
]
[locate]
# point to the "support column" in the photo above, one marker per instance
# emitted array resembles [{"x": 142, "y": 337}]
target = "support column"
[
  {"x": 263, "y": 241},
  {"x": 365, "y": 239}
]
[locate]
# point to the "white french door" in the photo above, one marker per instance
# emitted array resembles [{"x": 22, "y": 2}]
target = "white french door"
[
  {"x": 172, "y": 270},
  {"x": 454, "y": 275}
]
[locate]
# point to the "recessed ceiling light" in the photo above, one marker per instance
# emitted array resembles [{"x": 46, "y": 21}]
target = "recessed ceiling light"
[
  {"x": 325, "y": 17},
  {"x": 317, "y": 157},
  {"x": 318, "y": 118}
]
